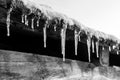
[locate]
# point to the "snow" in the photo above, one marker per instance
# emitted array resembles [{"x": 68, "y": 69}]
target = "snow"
[{"x": 50, "y": 13}]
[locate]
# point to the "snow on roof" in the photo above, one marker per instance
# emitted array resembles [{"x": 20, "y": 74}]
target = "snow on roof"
[{"x": 50, "y": 13}]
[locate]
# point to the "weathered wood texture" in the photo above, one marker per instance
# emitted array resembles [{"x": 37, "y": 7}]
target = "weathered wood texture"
[
  {"x": 104, "y": 56},
  {"x": 24, "y": 66}
]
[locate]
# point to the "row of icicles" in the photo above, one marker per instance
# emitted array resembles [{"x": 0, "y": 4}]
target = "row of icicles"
[{"x": 63, "y": 36}]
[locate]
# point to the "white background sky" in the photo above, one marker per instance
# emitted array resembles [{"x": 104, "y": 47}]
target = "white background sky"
[{"x": 102, "y": 15}]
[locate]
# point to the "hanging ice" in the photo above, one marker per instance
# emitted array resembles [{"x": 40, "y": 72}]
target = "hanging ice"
[
  {"x": 97, "y": 48},
  {"x": 44, "y": 34},
  {"x": 63, "y": 38},
  {"x": 26, "y": 21},
  {"x": 38, "y": 23},
  {"x": 117, "y": 48},
  {"x": 117, "y": 52},
  {"x": 32, "y": 24},
  {"x": 22, "y": 18},
  {"x": 8, "y": 22},
  {"x": 88, "y": 45},
  {"x": 76, "y": 41},
  {"x": 109, "y": 48},
  {"x": 103, "y": 48},
  {"x": 54, "y": 28},
  {"x": 113, "y": 47},
  {"x": 93, "y": 46},
  {"x": 79, "y": 38}
]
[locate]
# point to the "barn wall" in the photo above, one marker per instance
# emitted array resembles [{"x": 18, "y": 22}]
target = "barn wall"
[{"x": 18, "y": 65}]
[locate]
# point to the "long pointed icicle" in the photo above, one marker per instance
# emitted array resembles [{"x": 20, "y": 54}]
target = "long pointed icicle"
[
  {"x": 97, "y": 48},
  {"x": 32, "y": 24},
  {"x": 109, "y": 48},
  {"x": 63, "y": 38},
  {"x": 79, "y": 38},
  {"x": 55, "y": 28},
  {"x": 38, "y": 21},
  {"x": 103, "y": 48},
  {"x": 88, "y": 45},
  {"x": 8, "y": 21},
  {"x": 26, "y": 21},
  {"x": 44, "y": 34},
  {"x": 76, "y": 41},
  {"x": 117, "y": 52},
  {"x": 22, "y": 18},
  {"x": 113, "y": 47},
  {"x": 93, "y": 46}
]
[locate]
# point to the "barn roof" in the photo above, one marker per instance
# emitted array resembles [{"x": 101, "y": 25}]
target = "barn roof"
[
  {"x": 47, "y": 13},
  {"x": 51, "y": 14}
]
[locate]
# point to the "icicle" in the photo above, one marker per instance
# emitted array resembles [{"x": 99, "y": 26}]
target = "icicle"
[
  {"x": 93, "y": 46},
  {"x": 8, "y": 22},
  {"x": 117, "y": 52},
  {"x": 88, "y": 45},
  {"x": 79, "y": 38},
  {"x": 38, "y": 23},
  {"x": 103, "y": 48},
  {"x": 63, "y": 38},
  {"x": 22, "y": 18},
  {"x": 32, "y": 24},
  {"x": 109, "y": 48},
  {"x": 44, "y": 33},
  {"x": 54, "y": 28},
  {"x": 97, "y": 48},
  {"x": 113, "y": 46},
  {"x": 26, "y": 21},
  {"x": 76, "y": 41},
  {"x": 117, "y": 49}
]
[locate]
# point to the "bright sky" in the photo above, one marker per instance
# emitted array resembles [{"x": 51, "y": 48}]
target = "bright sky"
[{"x": 102, "y": 15}]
